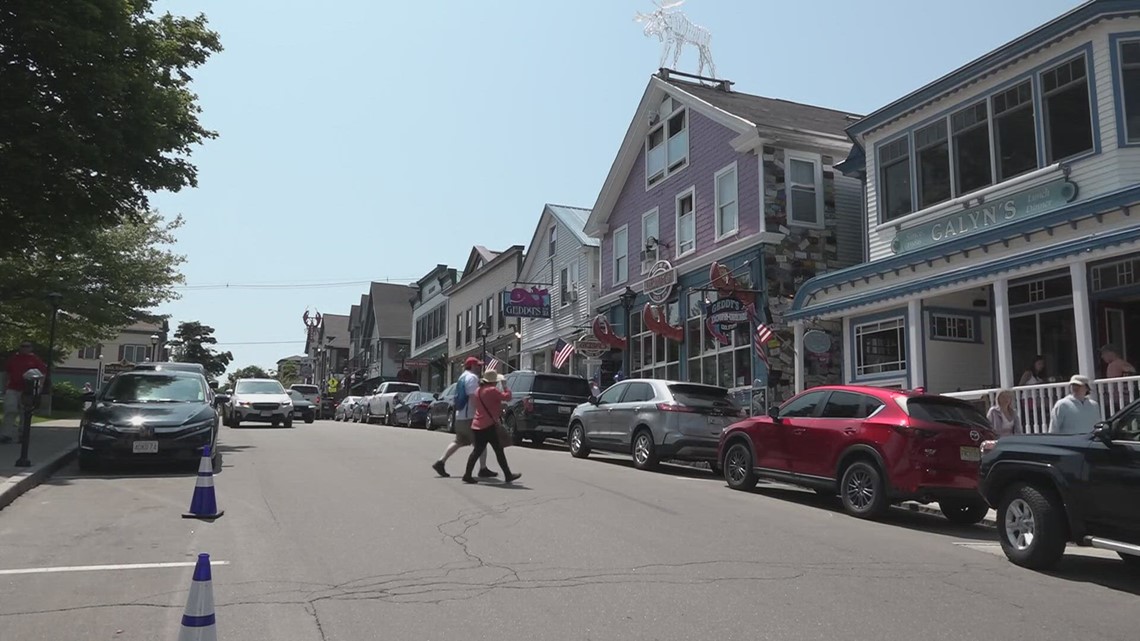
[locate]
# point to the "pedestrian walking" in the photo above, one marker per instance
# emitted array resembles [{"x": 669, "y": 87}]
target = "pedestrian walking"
[
  {"x": 1077, "y": 413},
  {"x": 488, "y": 408},
  {"x": 18, "y": 365},
  {"x": 465, "y": 389},
  {"x": 1003, "y": 415}
]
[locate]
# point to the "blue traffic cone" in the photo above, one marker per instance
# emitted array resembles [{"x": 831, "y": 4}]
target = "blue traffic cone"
[
  {"x": 198, "y": 618},
  {"x": 204, "y": 505}
]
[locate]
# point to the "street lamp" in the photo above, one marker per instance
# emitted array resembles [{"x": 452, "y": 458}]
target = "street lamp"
[
  {"x": 482, "y": 331},
  {"x": 154, "y": 348},
  {"x": 627, "y": 297}
]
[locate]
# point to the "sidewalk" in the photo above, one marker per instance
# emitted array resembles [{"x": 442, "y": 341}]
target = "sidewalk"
[{"x": 53, "y": 445}]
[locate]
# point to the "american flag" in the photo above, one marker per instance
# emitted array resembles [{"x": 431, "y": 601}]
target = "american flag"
[
  {"x": 562, "y": 353},
  {"x": 763, "y": 335},
  {"x": 492, "y": 365}
]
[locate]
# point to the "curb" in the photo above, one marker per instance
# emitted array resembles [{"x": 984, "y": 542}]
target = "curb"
[
  {"x": 989, "y": 521},
  {"x": 11, "y": 489}
]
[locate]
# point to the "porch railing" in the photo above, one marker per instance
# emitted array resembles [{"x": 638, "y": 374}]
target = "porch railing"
[{"x": 1035, "y": 402}]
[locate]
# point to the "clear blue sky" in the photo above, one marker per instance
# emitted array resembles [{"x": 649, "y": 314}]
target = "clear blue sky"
[{"x": 363, "y": 140}]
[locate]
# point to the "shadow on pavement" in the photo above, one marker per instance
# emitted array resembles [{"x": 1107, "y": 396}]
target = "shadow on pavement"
[
  {"x": 672, "y": 469},
  {"x": 1111, "y": 573}
]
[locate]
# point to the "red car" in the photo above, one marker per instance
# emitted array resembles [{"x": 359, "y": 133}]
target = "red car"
[{"x": 872, "y": 446}]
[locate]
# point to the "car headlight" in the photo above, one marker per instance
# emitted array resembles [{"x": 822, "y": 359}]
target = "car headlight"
[
  {"x": 287, "y": 404},
  {"x": 102, "y": 428},
  {"x": 243, "y": 403}
]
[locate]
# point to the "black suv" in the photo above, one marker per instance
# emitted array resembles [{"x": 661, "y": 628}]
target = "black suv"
[
  {"x": 541, "y": 404},
  {"x": 1053, "y": 489}
]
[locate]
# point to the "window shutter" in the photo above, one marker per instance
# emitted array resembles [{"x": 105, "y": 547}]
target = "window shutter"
[{"x": 122, "y": 350}]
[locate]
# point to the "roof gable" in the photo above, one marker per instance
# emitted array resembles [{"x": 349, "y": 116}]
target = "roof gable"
[
  {"x": 391, "y": 309},
  {"x": 570, "y": 220},
  {"x": 478, "y": 258}
]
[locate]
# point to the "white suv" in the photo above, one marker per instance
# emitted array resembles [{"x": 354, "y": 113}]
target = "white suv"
[{"x": 263, "y": 400}]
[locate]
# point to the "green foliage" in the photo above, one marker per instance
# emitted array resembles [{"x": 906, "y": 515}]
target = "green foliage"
[
  {"x": 249, "y": 371},
  {"x": 288, "y": 374},
  {"x": 65, "y": 396},
  {"x": 98, "y": 113},
  {"x": 190, "y": 346},
  {"x": 106, "y": 284}
]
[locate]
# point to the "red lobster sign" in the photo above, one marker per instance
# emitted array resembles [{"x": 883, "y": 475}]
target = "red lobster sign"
[
  {"x": 657, "y": 322},
  {"x": 604, "y": 332},
  {"x": 732, "y": 296}
]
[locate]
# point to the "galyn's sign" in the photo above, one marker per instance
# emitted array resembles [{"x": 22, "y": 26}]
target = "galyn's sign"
[{"x": 1001, "y": 211}]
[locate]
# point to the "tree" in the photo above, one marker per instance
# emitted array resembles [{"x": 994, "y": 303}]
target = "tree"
[
  {"x": 110, "y": 282},
  {"x": 288, "y": 373},
  {"x": 98, "y": 113},
  {"x": 190, "y": 344},
  {"x": 249, "y": 371}
]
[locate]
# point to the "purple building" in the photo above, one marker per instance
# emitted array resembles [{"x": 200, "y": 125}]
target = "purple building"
[{"x": 717, "y": 208}]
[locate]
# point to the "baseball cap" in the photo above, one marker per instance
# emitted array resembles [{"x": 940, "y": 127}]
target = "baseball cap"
[{"x": 472, "y": 362}]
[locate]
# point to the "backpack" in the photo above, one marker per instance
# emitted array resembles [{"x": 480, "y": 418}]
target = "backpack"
[{"x": 460, "y": 396}]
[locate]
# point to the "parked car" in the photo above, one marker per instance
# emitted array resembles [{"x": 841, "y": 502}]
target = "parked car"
[
  {"x": 358, "y": 410},
  {"x": 872, "y": 446},
  {"x": 262, "y": 400},
  {"x": 312, "y": 393},
  {"x": 541, "y": 404},
  {"x": 302, "y": 408},
  {"x": 148, "y": 415},
  {"x": 653, "y": 420},
  {"x": 1054, "y": 489},
  {"x": 343, "y": 411},
  {"x": 442, "y": 410},
  {"x": 412, "y": 409},
  {"x": 384, "y": 400}
]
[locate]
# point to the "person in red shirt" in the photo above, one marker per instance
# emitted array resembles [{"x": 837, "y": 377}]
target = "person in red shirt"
[
  {"x": 19, "y": 363},
  {"x": 488, "y": 408}
]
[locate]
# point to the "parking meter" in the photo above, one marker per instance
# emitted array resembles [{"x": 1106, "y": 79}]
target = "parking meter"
[{"x": 29, "y": 401}]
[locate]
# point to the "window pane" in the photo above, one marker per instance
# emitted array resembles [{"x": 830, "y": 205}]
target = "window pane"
[
  {"x": 933, "y": 164},
  {"x": 726, "y": 187},
  {"x": 743, "y": 358},
  {"x": 693, "y": 340},
  {"x": 724, "y": 369},
  {"x": 804, "y": 205},
  {"x": 726, "y": 221},
  {"x": 658, "y": 349},
  {"x": 803, "y": 172},
  {"x": 1131, "y": 88},
  {"x": 802, "y": 406},
  {"x": 896, "y": 190},
  {"x": 1068, "y": 116},
  {"x": 1015, "y": 131},
  {"x": 708, "y": 370},
  {"x": 649, "y": 228},
  {"x": 655, "y": 159},
  {"x": 972, "y": 158}
]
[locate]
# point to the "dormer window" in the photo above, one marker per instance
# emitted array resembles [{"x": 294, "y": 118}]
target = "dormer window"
[
  {"x": 667, "y": 145},
  {"x": 553, "y": 239}
]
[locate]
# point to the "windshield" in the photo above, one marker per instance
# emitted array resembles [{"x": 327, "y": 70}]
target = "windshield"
[
  {"x": 307, "y": 389},
  {"x": 295, "y": 395},
  {"x": 402, "y": 387},
  {"x": 155, "y": 389},
  {"x": 259, "y": 387},
  {"x": 946, "y": 410},
  {"x": 418, "y": 397},
  {"x": 562, "y": 386}
]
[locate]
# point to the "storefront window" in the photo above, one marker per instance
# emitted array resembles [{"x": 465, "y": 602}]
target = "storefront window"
[
  {"x": 880, "y": 347},
  {"x": 712, "y": 363},
  {"x": 655, "y": 356}
]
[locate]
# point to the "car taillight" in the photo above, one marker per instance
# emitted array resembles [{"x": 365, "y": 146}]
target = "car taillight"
[
  {"x": 988, "y": 446},
  {"x": 528, "y": 404},
  {"x": 425, "y": 405},
  {"x": 674, "y": 407}
]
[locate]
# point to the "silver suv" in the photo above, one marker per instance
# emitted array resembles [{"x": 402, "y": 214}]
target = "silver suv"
[
  {"x": 654, "y": 420},
  {"x": 263, "y": 400}
]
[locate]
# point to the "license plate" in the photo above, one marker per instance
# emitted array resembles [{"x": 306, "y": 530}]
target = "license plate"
[
  {"x": 562, "y": 409},
  {"x": 970, "y": 453},
  {"x": 145, "y": 447},
  {"x": 267, "y": 413}
]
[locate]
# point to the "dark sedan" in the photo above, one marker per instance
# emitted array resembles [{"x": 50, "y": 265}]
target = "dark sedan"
[
  {"x": 413, "y": 409},
  {"x": 442, "y": 411},
  {"x": 302, "y": 409},
  {"x": 149, "y": 416}
]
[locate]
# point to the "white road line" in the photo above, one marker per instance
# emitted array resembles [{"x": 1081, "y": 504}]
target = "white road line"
[
  {"x": 102, "y": 568},
  {"x": 694, "y": 478}
]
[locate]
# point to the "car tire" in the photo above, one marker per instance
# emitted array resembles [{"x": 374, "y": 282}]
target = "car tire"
[
  {"x": 451, "y": 421},
  {"x": 287, "y": 424},
  {"x": 513, "y": 429},
  {"x": 739, "y": 470},
  {"x": 863, "y": 492},
  {"x": 88, "y": 462},
  {"x": 964, "y": 512},
  {"x": 386, "y": 418},
  {"x": 310, "y": 418},
  {"x": 644, "y": 450},
  {"x": 235, "y": 422},
  {"x": 576, "y": 441},
  {"x": 1031, "y": 527}
]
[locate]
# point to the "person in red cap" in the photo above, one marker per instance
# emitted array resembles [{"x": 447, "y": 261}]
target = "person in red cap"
[
  {"x": 18, "y": 364},
  {"x": 465, "y": 389}
]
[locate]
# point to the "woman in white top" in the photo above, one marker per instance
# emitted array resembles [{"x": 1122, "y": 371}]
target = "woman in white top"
[
  {"x": 1036, "y": 374},
  {"x": 1003, "y": 415}
]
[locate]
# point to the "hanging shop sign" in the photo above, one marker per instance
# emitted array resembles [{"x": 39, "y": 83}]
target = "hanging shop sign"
[
  {"x": 416, "y": 362},
  {"x": 604, "y": 332},
  {"x": 590, "y": 347},
  {"x": 723, "y": 315},
  {"x": 522, "y": 302},
  {"x": 1019, "y": 206},
  {"x": 728, "y": 285},
  {"x": 657, "y": 321},
  {"x": 659, "y": 284},
  {"x": 818, "y": 344}
]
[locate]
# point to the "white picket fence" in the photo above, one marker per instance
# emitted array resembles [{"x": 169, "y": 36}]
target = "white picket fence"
[{"x": 1034, "y": 402}]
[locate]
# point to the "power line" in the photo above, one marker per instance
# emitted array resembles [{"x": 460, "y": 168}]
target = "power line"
[
  {"x": 293, "y": 285},
  {"x": 301, "y": 340}
]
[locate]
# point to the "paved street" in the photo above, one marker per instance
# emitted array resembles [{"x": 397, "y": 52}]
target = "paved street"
[{"x": 341, "y": 532}]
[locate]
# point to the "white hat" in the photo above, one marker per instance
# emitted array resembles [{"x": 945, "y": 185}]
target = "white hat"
[{"x": 1077, "y": 379}]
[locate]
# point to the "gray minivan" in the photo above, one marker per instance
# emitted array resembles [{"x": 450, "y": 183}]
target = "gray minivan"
[{"x": 654, "y": 420}]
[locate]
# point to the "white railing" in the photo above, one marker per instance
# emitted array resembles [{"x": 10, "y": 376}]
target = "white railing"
[{"x": 1034, "y": 402}]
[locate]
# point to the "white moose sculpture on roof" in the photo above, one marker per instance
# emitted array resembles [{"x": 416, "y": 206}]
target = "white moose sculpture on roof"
[{"x": 674, "y": 30}]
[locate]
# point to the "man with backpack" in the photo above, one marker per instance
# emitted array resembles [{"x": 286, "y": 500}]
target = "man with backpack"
[{"x": 465, "y": 390}]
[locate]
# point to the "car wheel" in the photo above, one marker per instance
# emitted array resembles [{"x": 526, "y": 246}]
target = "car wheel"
[
  {"x": 275, "y": 423},
  {"x": 1031, "y": 527},
  {"x": 288, "y": 423},
  {"x": 513, "y": 429},
  {"x": 577, "y": 441},
  {"x": 451, "y": 421},
  {"x": 235, "y": 421},
  {"x": 964, "y": 512},
  {"x": 428, "y": 424},
  {"x": 310, "y": 418},
  {"x": 863, "y": 492},
  {"x": 644, "y": 451},
  {"x": 88, "y": 461},
  {"x": 738, "y": 467},
  {"x": 386, "y": 419}
]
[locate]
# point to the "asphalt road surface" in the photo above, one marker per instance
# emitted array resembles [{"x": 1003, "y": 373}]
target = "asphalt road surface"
[{"x": 341, "y": 532}]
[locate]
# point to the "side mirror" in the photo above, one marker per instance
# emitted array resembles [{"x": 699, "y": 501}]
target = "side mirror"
[
  {"x": 1103, "y": 432},
  {"x": 214, "y": 385},
  {"x": 593, "y": 400},
  {"x": 228, "y": 392},
  {"x": 435, "y": 396},
  {"x": 221, "y": 399},
  {"x": 774, "y": 413}
]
